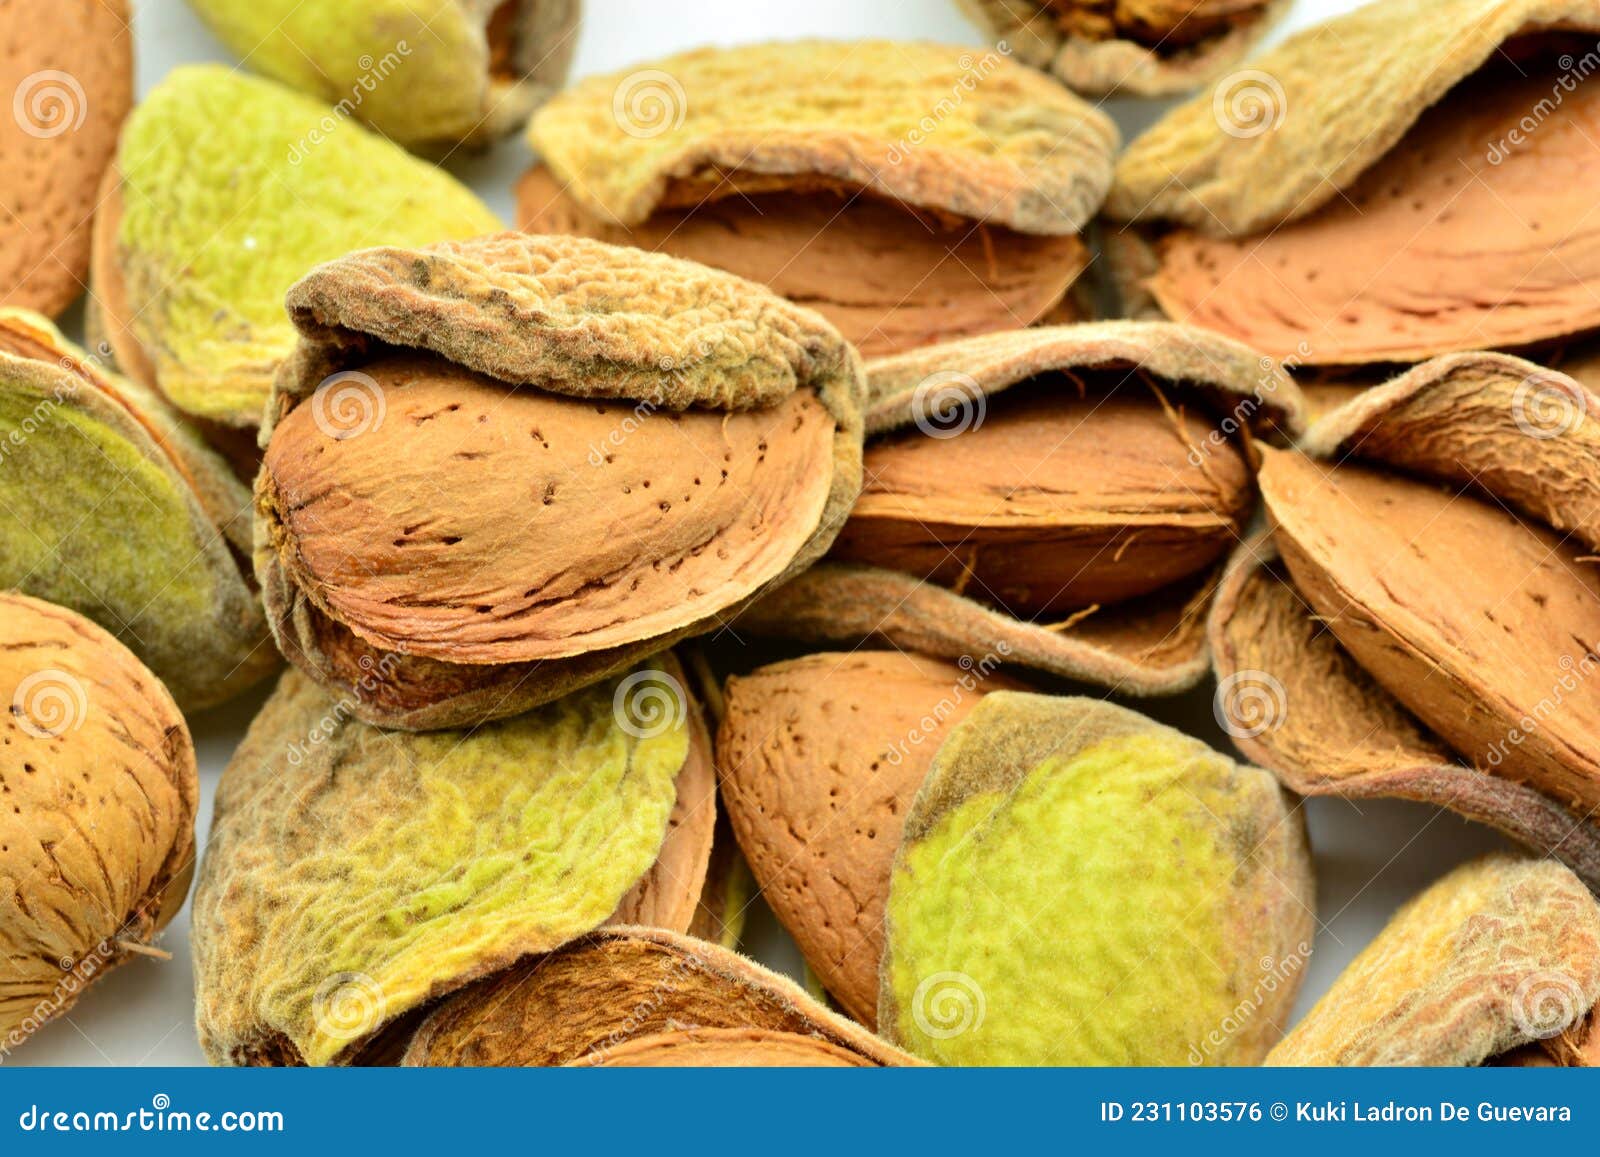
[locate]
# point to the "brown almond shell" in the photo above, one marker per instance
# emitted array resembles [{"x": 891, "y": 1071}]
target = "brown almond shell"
[
  {"x": 1147, "y": 646},
  {"x": 593, "y": 997},
  {"x": 1479, "y": 418},
  {"x": 576, "y": 319}
]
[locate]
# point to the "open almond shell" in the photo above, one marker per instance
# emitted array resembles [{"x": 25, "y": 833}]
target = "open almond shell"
[
  {"x": 608, "y": 996},
  {"x": 402, "y": 561},
  {"x": 1501, "y": 954},
  {"x": 815, "y": 166},
  {"x": 1148, "y": 645},
  {"x": 1337, "y": 195},
  {"x": 354, "y": 875},
  {"x": 112, "y": 505},
  {"x": 1185, "y": 45},
  {"x": 1305, "y": 706}
]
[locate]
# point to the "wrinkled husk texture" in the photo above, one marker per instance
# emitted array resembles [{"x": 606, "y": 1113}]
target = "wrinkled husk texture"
[
  {"x": 576, "y": 319},
  {"x": 1350, "y": 87},
  {"x": 1121, "y": 65},
  {"x": 1500, "y": 953},
  {"x": 111, "y": 505},
  {"x": 354, "y": 874},
  {"x": 1039, "y": 805},
  {"x": 596, "y": 1000},
  {"x": 1012, "y": 147},
  {"x": 424, "y": 73},
  {"x": 1152, "y": 646},
  {"x": 97, "y": 838}
]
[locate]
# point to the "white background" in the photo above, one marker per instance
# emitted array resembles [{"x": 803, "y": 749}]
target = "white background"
[{"x": 1370, "y": 857}]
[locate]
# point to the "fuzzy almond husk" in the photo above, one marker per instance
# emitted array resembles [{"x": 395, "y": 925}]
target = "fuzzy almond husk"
[
  {"x": 1015, "y": 150},
  {"x": 1390, "y": 60},
  {"x": 561, "y": 368},
  {"x": 69, "y": 69},
  {"x": 1498, "y": 954},
  {"x": 97, "y": 838},
  {"x": 592, "y": 1000},
  {"x": 819, "y": 759},
  {"x": 427, "y": 74},
  {"x": 813, "y": 167},
  {"x": 112, "y": 505},
  {"x": 727, "y": 1048},
  {"x": 1427, "y": 590},
  {"x": 354, "y": 875},
  {"x": 1149, "y": 645},
  {"x": 1016, "y": 934},
  {"x": 226, "y": 188},
  {"x": 1165, "y": 47}
]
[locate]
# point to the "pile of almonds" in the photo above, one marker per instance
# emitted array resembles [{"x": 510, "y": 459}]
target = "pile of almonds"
[{"x": 809, "y": 503}]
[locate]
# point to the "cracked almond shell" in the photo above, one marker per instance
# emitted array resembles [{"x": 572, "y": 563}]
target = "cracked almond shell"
[
  {"x": 1078, "y": 885},
  {"x": 815, "y": 167},
  {"x": 100, "y": 790},
  {"x": 1501, "y": 954},
  {"x": 111, "y": 505},
  {"x": 1404, "y": 181},
  {"x": 572, "y": 455},
  {"x": 68, "y": 67},
  {"x": 227, "y": 188},
  {"x": 354, "y": 875},
  {"x": 819, "y": 759},
  {"x": 1112, "y": 477},
  {"x": 1433, "y": 620},
  {"x": 1129, "y": 47},
  {"x": 430, "y": 74},
  {"x": 627, "y": 996}
]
